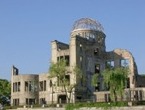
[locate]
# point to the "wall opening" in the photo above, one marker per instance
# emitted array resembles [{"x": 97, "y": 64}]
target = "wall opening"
[
  {"x": 110, "y": 64},
  {"x": 30, "y": 101},
  {"x": 42, "y": 101},
  {"x": 124, "y": 62},
  {"x": 16, "y": 102},
  {"x": 62, "y": 99},
  {"x": 66, "y": 58},
  {"x": 96, "y": 51},
  {"x": 97, "y": 68}
]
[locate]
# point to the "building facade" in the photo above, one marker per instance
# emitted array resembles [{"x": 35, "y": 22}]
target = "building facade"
[{"x": 87, "y": 50}]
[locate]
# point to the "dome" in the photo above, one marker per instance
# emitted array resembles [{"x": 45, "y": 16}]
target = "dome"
[{"x": 87, "y": 24}]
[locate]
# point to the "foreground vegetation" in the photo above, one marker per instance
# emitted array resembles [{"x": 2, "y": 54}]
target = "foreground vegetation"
[
  {"x": 5, "y": 91},
  {"x": 116, "y": 79},
  {"x": 102, "y": 105}
]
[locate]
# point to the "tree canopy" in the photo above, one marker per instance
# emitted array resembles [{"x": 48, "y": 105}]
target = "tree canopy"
[
  {"x": 116, "y": 79},
  {"x": 5, "y": 90},
  {"x": 61, "y": 72}
]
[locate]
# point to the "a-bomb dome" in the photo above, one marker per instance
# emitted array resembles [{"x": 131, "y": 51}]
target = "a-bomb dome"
[{"x": 87, "y": 24}]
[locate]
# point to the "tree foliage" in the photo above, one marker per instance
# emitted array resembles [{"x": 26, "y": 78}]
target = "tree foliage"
[
  {"x": 94, "y": 81},
  {"x": 5, "y": 90},
  {"x": 59, "y": 70},
  {"x": 116, "y": 79}
]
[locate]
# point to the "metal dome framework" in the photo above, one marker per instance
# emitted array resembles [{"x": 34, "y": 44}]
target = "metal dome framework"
[{"x": 87, "y": 24}]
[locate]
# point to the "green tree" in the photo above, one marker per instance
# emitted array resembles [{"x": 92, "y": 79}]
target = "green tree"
[
  {"x": 5, "y": 90},
  {"x": 94, "y": 81},
  {"x": 60, "y": 70},
  {"x": 116, "y": 79}
]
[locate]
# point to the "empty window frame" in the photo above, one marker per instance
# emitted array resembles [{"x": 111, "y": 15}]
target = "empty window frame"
[
  {"x": 124, "y": 62},
  {"x": 60, "y": 58},
  {"x": 67, "y": 60},
  {"x": 67, "y": 78},
  {"x": 42, "y": 85},
  {"x": 128, "y": 83},
  {"x": 19, "y": 84},
  {"x": 81, "y": 61},
  {"x": 97, "y": 68},
  {"x": 50, "y": 83},
  {"x": 42, "y": 101},
  {"x": 110, "y": 64},
  {"x": 15, "y": 102},
  {"x": 60, "y": 82},
  {"x": 96, "y": 51},
  {"x": 81, "y": 47},
  {"x": 16, "y": 87},
  {"x": 15, "y": 71},
  {"x": 30, "y": 101},
  {"x": 28, "y": 86}
]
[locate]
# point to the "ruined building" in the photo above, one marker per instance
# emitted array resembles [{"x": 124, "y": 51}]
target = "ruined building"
[{"x": 86, "y": 49}]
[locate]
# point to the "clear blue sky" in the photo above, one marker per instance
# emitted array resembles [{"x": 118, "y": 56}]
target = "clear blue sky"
[{"x": 28, "y": 26}]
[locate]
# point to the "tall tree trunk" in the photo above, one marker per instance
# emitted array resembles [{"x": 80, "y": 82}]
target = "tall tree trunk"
[
  {"x": 66, "y": 92},
  {"x": 52, "y": 95},
  {"x": 115, "y": 95},
  {"x": 121, "y": 97}
]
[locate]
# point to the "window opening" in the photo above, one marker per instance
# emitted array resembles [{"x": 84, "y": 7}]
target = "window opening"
[
  {"x": 96, "y": 51},
  {"x": 67, "y": 78},
  {"x": 41, "y": 85},
  {"x": 67, "y": 60},
  {"x": 124, "y": 62},
  {"x": 81, "y": 47},
  {"x": 19, "y": 86},
  {"x": 97, "y": 68},
  {"x": 44, "y": 85},
  {"x": 26, "y": 86},
  {"x": 128, "y": 83},
  {"x": 110, "y": 64}
]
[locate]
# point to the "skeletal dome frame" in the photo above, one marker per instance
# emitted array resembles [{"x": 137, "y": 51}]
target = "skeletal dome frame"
[{"x": 87, "y": 24}]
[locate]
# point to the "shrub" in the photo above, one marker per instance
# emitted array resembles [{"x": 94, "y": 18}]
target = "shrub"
[{"x": 97, "y": 105}]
